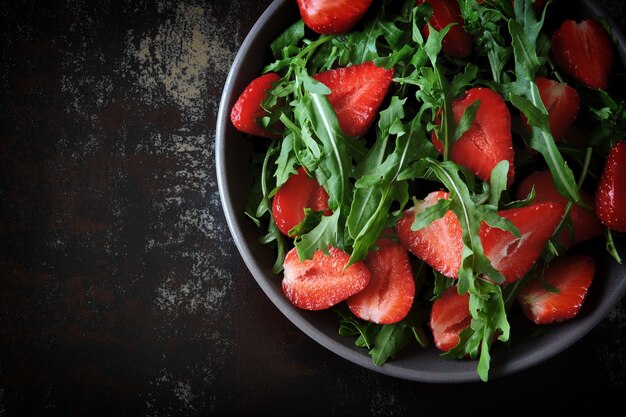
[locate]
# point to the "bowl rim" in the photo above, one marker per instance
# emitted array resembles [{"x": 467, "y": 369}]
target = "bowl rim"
[{"x": 457, "y": 374}]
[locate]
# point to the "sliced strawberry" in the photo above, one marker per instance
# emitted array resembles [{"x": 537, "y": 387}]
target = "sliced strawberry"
[
  {"x": 585, "y": 223},
  {"x": 332, "y": 16},
  {"x": 299, "y": 192},
  {"x": 457, "y": 42},
  {"x": 571, "y": 275},
  {"x": 389, "y": 295},
  {"x": 489, "y": 140},
  {"x": 584, "y": 50},
  {"x": 514, "y": 256},
  {"x": 610, "y": 200},
  {"x": 449, "y": 316},
  {"x": 357, "y": 92},
  {"x": 562, "y": 103},
  {"x": 247, "y": 109},
  {"x": 440, "y": 244},
  {"x": 324, "y": 280}
]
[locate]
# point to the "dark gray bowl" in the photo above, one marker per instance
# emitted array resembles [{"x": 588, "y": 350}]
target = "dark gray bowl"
[{"x": 233, "y": 151}]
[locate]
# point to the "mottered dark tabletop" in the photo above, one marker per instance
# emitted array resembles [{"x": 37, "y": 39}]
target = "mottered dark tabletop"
[{"x": 122, "y": 292}]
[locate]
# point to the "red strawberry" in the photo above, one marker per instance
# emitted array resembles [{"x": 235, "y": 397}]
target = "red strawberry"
[
  {"x": 440, "y": 244},
  {"x": 562, "y": 103},
  {"x": 299, "y": 192},
  {"x": 247, "y": 109},
  {"x": 585, "y": 223},
  {"x": 571, "y": 275},
  {"x": 332, "y": 16},
  {"x": 610, "y": 200},
  {"x": 449, "y": 316},
  {"x": 324, "y": 280},
  {"x": 457, "y": 42},
  {"x": 584, "y": 50},
  {"x": 389, "y": 295},
  {"x": 513, "y": 256},
  {"x": 357, "y": 92},
  {"x": 489, "y": 140}
]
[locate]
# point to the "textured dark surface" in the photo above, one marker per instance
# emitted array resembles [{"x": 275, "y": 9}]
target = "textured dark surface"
[{"x": 122, "y": 292}]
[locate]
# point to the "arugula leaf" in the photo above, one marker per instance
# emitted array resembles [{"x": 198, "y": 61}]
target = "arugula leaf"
[
  {"x": 390, "y": 339},
  {"x": 378, "y": 186},
  {"x": 286, "y": 40},
  {"x": 524, "y": 95},
  {"x": 349, "y": 325}
]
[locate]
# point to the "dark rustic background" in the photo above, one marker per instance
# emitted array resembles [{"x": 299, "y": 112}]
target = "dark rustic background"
[{"x": 122, "y": 293}]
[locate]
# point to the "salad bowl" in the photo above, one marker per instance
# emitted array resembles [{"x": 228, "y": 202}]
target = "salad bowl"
[{"x": 235, "y": 178}]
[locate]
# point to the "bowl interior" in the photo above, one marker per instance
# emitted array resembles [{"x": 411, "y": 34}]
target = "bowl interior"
[{"x": 233, "y": 153}]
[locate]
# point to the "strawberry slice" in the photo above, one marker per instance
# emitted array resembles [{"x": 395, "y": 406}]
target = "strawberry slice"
[
  {"x": 489, "y": 140},
  {"x": 584, "y": 50},
  {"x": 571, "y": 275},
  {"x": 324, "y": 280},
  {"x": 389, "y": 295},
  {"x": 440, "y": 244},
  {"x": 610, "y": 200},
  {"x": 247, "y": 109},
  {"x": 514, "y": 256},
  {"x": 299, "y": 192},
  {"x": 449, "y": 316},
  {"x": 457, "y": 42},
  {"x": 585, "y": 223},
  {"x": 562, "y": 103},
  {"x": 357, "y": 92},
  {"x": 332, "y": 16}
]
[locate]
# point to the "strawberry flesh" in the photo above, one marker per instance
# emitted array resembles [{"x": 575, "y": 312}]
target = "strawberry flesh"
[
  {"x": 571, "y": 275},
  {"x": 357, "y": 92},
  {"x": 449, "y": 316},
  {"x": 332, "y": 16},
  {"x": 610, "y": 202},
  {"x": 585, "y": 224},
  {"x": 299, "y": 192},
  {"x": 247, "y": 109},
  {"x": 488, "y": 141},
  {"x": 584, "y": 50},
  {"x": 440, "y": 244},
  {"x": 324, "y": 280},
  {"x": 389, "y": 295},
  {"x": 514, "y": 256},
  {"x": 561, "y": 101},
  {"x": 457, "y": 42}
]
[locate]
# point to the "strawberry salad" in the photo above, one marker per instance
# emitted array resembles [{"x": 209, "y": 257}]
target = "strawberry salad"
[{"x": 431, "y": 167}]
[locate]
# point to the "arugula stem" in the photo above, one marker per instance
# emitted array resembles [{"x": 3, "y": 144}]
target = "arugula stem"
[
  {"x": 570, "y": 204},
  {"x": 448, "y": 123}
]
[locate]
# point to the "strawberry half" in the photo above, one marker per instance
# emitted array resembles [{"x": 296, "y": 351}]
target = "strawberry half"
[
  {"x": 610, "y": 200},
  {"x": 457, "y": 42},
  {"x": 332, "y": 16},
  {"x": 440, "y": 244},
  {"x": 357, "y": 92},
  {"x": 247, "y": 109},
  {"x": 389, "y": 295},
  {"x": 324, "y": 280},
  {"x": 489, "y": 140},
  {"x": 585, "y": 223},
  {"x": 299, "y": 192},
  {"x": 514, "y": 256},
  {"x": 449, "y": 316},
  {"x": 562, "y": 103},
  {"x": 571, "y": 275},
  {"x": 584, "y": 50}
]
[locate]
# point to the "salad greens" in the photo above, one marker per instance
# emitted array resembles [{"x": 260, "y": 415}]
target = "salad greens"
[{"x": 370, "y": 180}]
